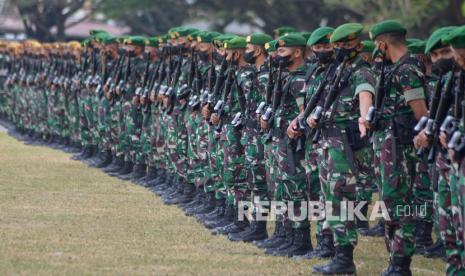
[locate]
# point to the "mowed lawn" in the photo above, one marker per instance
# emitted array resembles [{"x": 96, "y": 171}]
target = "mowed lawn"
[{"x": 57, "y": 216}]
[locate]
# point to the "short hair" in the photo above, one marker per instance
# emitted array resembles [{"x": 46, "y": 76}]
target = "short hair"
[{"x": 393, "y": 38}]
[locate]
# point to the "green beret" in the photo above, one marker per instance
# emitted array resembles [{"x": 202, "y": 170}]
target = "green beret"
[
  {"x": 86, "y": 42},
  {"x": 238, "y": 42},
  {"x": 346, "y": 32},
  {"x": 135, "y": 40},
  {"x": 270, "y": 46},
  {"x": 456, "y": 38},
  {"x": 95, "y": 32},
  {"x": 207, "y": 36},
  {"x": 258, "y": 39},
  {"x": 151, "y": 41},
  {"x": 416, "y": 46},
  {"x": 368, "y": 46},
  {"x": 108, "y": 39},
  {"x": 291, "y": 40},
  {"x": 320, "y": 35},
  {"x": 182, "y": 32},
  {"x": 306, "y": 35},
  {"x": 193, "y": 36},
  {"x": 221, "y": 39},
  {"x": 163, "y": 39},
  {"x": 284, "y": 30},
  {"x": 435, "y": 40},
  {"x": 100, "y": 37},
  {"x": 387, "y": 26}
]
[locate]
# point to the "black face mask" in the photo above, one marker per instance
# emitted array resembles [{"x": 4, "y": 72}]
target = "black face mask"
[
  {"x": 284, "y": 60},
  {"x": 324, "y": 56},
  {"x": 131, "y": 53},
  {"x": 443, "y": 66},
  {"x": 121, "y": 52},
  {"x": 249, "y": 57},
  {"x": 203, "y": 55},
  {"x": 217, "y": 57},
  {"x": 342, "y": 53}
]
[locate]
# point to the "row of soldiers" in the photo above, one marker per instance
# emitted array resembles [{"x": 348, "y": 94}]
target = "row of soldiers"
[{"x": 209, "y": 121}]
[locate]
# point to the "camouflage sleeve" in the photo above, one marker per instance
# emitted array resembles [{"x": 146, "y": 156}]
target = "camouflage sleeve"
[
  {"x": 363, "y": 80},
  {"x": 298, "y": 89},
  {"x": 411, "y": 84}
]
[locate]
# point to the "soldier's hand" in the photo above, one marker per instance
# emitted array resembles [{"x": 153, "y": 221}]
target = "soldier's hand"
[
  {"x": 263, "y": 124},
  {"x": 311, "y": 122},
  {"x": 443, "y": 139},
  {"x": 451, "y": 155},
  {"x": 206, "y": 112},
  {"x": 152, "y": 97},
  {"x": 421, "y": 140},
  {"x": 292, "y": 131},
  {"x": 214, "y": 119},
  {"x": 362, "y": 126}
]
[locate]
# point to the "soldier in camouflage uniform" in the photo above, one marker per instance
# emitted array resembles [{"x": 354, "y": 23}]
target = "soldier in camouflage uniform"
[
  {"x": 323, "y": 51},
  {"x": 255, "y": 84},
  {"x": 291, "y": 186},
  {"x": 404, "y": 103},
  {"x": 346, "y": 157}
]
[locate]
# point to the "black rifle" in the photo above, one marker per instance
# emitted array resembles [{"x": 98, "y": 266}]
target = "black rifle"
[
  {"x": 320, "y": 111},
  {"x": 219, "y": 81},
  {"x": 375, "y": 111},
  {"x": 263, "y": 106},
  {"x": 268, "y": 116},
  {"x": 441, "y": 113},
  {"x": 426, "y": 122},
  {"x": 220, "y": 105}
]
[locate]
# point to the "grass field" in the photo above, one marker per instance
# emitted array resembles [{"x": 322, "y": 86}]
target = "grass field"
[{"x": 57, "y": 216}]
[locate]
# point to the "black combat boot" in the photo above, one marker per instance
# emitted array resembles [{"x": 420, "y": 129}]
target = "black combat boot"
[
  {"x": 398, "y": 266},
  {"x": 342, "y": 263},
  {"x": 215, "y": 214},
  {"x": 207, "y": 205},
  {"x": 238, "y": 225},
  {"x": 152, "y": 173},
  {"x": 127, "y": 169},
  {"x": 437, "y": 250},
  {"x": 80, "y": 155},
  {"x": 106, "y": 161},
  {"x": 199, "y": 192},
  {"x": 376, "y": 231},
  {"x": 362, "y": 225},
  {"x": 197, "y": 203},
  {"x": 176, "y": 191},
  {"x": 115, "y": 164},
  {"x": 423, "y": 239},
  {"x": 282, "y": 244},
  {"x": 93, "y": 150},
  {"x": 277, "y": 234},
  {"x": 222, "y": 220},
  {"x": 256, "y": 231},
  {"x": 160, "y": 179},
  {"x": 301, "y": 244},
  {"x": 140, "y": 171},
  {"x": 186, "y": 195}
]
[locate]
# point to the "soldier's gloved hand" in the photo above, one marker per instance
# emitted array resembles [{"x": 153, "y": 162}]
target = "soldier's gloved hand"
[
  {"x": 292, "y": 131},
  {"x": 311, "y": 122},
  {"x": 214, "y": 119},
  {"x": 421, "y": 140}
]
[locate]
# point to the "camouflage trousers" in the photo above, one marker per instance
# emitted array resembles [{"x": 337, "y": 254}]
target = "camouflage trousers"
[
  {"x": 203, "y": 151},
  {"x": 115, "y": 118},
  {"x": 312, "y": 175},
  {"x": 126, "y": 130},
  {"x": 234, "y": 175},
  {"x": 94, "y": 125},
  {"x": 422, "y": 191},
  {"x": 176, "y": 141},
  {"x": 340, "y": 171},
  {"x": 161, "y": 156},
  {"x": 291, "y": 185},
  {"x": 73, "y": 119},
  {"x": 254, "y": 164},
  {"x": 216, "y": 157},
  {"x": 450, "y": 228},
  {"x": 194, "y": 168},
  {"x": 142, "y": 156},
  {"x": 85, "y": 118},
  {"x": 397, "y": 170},
  {"x": 103, "y": 125}
]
